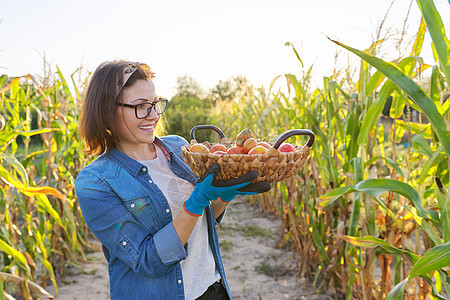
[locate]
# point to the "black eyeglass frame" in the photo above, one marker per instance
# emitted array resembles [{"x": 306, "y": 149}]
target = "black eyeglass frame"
[{"x": 149, "y": 110}]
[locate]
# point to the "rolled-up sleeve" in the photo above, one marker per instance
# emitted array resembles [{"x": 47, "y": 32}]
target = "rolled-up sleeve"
[
  {"x": 168, "y": 245},
  {"x": 125, "y": 237}
]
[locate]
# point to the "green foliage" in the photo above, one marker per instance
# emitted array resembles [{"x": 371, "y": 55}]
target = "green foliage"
[
  {"x": 232, "y": 88},
  {"x": 41, "y": 229},
  {"x": 187, "y": 86},
  {"x": 188, "y": 108},
  {"x": 371, "y": 195},
  {"x": 183, "y": 113}
]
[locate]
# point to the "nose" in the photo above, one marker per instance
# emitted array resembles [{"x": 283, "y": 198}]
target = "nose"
[{"x": 152, "y": 114}]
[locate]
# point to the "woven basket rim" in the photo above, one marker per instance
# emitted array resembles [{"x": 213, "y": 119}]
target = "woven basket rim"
[{"x": 301, "y": 149}]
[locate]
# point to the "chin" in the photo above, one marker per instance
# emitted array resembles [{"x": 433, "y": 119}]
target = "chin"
[{"x": 150, "y": 140}]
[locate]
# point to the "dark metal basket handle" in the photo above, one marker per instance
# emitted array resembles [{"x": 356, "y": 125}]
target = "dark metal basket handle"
[
  {"x": 216, "y": 129},
  {"x": 292, "y": 132}
]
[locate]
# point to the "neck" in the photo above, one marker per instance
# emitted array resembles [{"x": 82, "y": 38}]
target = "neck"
[{"x": 139, "y": 153}]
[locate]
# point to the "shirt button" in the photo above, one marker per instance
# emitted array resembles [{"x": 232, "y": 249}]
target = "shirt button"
[
  {"x": 132, "y": 205},
  {"x": 167, "y": 210},
  {"x": 124, "y": 243},
  {"x": 179, "y": 280},
  {"x": 150, "y": 181},
  {"x": 144, "y": 169}
]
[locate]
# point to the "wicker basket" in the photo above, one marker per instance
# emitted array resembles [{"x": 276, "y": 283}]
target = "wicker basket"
[{"x": 272, "y": 166}]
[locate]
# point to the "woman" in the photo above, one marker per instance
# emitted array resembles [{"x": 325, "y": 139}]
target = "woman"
[{"x": 155, "y": 219}]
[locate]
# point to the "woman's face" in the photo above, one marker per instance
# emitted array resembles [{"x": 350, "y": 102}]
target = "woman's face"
[{"x": 133, "y": 131}]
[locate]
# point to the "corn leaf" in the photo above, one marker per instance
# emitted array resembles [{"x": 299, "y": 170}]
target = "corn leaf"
[
  {"x": 75, "y": 86},
  {"x": 374, "y": 111},
  {"x": 21, "y": 259},
  {"x": 436, "y": 258},
  {"x": 39, "y": 190},
  {"x": 352, "y": 132},
  {"x": 437, "y": 32},
  {"x": 17, "y": 166},
  {"x": 6, "y": 137},
  {"x": 397, "y": 292},
  {"x": 317, "y": 240},
  {"x": 330, "y": 197},
  {"x": 273, "y": 82},
  {"x": 372, "y": 242},
  {"x": 377, "y": 106},
  {"x": 49, "y": 268},
  {"x": 398, "y": 105},
  {"x": 26, "y": 161},
  {"x": 2, "y": 80},
  {"x": 418, "y": 42},
  {"x": 9, "y": 85},
  {"x": 44, "y": 203},
  {"x": 376, "y": 187},
  {"x": 64, "y": 82},
  {"x": 445, "y": 213},
  {"x": 416, "y": 128},
  {"x": 34, "y": 287},
  {"x": 413, "y": 90},
  {"x": 295, "y": 51},
  {"x": 434, "y": 160},
  {"x": 374, "y": 82},
  {"x": 299, "y": 89},
  {"x": 29, "y": 190},
  {"x": 35, "y": 131},
  {"x": 421, "y": 145},
  {"x": 434, "y": 88},
  {"x": 445, "y": 279},
  {"x": 429, "y": 229}
]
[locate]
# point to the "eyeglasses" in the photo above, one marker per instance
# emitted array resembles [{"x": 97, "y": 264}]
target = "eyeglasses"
[{"x": 143, "y": 110}]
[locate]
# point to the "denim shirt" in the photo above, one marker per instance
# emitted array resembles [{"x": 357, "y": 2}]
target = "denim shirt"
[{"x": 131, "y": 217}]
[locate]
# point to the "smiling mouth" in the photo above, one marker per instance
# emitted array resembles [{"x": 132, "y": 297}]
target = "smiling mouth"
[{"x": 147, "y": 127}]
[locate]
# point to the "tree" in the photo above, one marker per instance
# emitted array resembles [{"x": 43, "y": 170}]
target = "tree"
[
  {"x": 188, "y": 108},
  {"x": 232, "y": 88},
  {"x": 187, "y": 86}
]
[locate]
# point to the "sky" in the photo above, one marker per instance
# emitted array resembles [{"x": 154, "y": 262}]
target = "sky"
[{"x": 208, "y": 40}]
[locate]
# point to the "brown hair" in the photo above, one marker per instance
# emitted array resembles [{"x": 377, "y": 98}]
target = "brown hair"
[{"x": 96, "y": 124}]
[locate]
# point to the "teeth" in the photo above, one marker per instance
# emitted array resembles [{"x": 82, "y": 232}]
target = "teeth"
[{"x": 146, "y": 127}]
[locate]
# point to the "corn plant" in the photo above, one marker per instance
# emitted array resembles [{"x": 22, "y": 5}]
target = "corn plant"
[
  {"x": 42, "y": 230},
  {"x": 434, "y": 221},
  {"x": 371, "y": 199}
]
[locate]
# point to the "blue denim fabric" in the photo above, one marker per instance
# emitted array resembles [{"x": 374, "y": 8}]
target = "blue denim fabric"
[{"x": 129, "y": 214}]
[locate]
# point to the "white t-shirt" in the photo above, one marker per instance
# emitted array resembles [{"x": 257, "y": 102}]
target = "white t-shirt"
[{"x": 198, "y": 269}]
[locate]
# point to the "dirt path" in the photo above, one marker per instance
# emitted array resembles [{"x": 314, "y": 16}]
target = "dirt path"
[
  {"x": 255, "y": 267},
  {"x": 88, "y": 284}
]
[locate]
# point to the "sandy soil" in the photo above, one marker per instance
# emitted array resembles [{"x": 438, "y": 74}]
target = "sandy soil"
[{"x": 256, "y": 268}]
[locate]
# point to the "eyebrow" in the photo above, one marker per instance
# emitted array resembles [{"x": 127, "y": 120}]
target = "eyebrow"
[{"x": 145, "y": 99}]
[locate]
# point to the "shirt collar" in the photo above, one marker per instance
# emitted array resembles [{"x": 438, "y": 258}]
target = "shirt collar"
[
  {"x": 167, "y": 151},
  {"x": 132, "y": 165}
]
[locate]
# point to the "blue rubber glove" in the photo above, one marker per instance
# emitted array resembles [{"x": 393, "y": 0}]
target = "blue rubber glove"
[
  {"x": 208, "y": 189},
  {"x": 250, "y": 189}
]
